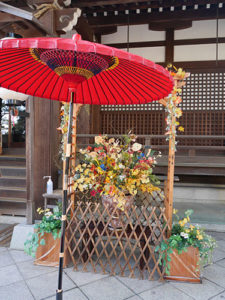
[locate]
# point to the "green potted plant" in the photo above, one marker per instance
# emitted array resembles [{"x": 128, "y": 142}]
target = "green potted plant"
[
  {"x": 44, "y": 243},
  {"x": 116, "y": 170},
  {"x": 186, "y": 251}
]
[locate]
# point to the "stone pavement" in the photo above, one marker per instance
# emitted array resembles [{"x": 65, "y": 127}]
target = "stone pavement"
[{"x": 21, "y": 280}]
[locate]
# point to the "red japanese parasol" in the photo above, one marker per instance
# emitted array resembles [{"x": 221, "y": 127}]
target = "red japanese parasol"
[
  {"x": 80, "y": 72},
  {"x": 52, "y": 67}
]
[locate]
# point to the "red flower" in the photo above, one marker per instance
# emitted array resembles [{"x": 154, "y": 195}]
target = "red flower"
[
  {"x": 93, "y": 193},
  {"x": 89, "y": 148}
]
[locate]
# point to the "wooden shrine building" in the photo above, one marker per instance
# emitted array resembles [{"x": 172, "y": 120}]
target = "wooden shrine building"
[{"x": 188, "y": 34}]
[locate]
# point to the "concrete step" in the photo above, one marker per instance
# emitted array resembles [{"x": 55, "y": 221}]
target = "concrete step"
[
  {"x": 13, "y": 200},
  {"x": 9, "y": 181},
  {"x": 13, "y": 192},
  {"x": 12, "y": 171}
]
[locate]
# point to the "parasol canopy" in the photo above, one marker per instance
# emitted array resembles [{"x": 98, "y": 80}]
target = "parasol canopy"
[{"x": 97, "y": 74}]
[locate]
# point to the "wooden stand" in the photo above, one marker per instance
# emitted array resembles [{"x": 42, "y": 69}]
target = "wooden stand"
[{"x": 185, "y": 266}]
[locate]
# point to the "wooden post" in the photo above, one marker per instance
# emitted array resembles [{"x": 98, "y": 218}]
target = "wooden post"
[
  {"x": 170, "y": 178},
  {"x": 76, "y": 108},
  {"x": 170, "y": 173},
  {"x": 10, "y": 129}
]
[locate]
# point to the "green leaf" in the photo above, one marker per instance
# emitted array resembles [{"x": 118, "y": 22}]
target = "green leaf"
[
  {"x": 42, "y": 242},
  {"x": 157, "y": 248}
]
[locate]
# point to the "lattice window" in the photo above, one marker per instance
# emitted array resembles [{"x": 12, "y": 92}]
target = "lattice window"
[
  {"x": 203, "y": 108},
  {"x": 204, "y": 91}
]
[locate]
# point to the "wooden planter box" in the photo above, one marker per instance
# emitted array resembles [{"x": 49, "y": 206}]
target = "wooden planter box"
[
  {"x": 185, "y": 266},
  {"x": 48, "y": 254}
]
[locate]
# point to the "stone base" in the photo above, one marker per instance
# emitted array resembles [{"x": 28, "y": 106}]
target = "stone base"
[{"x": 20, "y": 235}]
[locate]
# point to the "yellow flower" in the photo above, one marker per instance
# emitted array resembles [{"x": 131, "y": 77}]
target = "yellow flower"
[
  {"x": 175, "y": 211},
  {"x": 192, "y": 227},
  {"x": 181, "y": 128},
  {"x": 199, "y": 237},
  {"x": 185, "y": 220}
]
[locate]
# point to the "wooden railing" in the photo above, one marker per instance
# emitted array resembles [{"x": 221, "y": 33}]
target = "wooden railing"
[{"x": 200, "y": 142}]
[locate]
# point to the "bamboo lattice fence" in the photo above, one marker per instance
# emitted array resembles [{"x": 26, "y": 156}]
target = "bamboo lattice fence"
[{"x": 130, "y": 251}]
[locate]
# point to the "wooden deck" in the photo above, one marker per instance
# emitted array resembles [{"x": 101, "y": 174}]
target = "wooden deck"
[{"x": 194, "y": 165}]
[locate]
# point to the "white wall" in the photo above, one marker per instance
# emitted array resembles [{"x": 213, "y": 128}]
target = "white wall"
[
  {"x": 199, "y": 29},
  {"x": 137, "y": 33}
]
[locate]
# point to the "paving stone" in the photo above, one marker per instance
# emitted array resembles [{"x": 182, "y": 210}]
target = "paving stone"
[
  {"x": 15, "y": 291},
  {"x": 9, "y": 274},
  {"x": 217, "y": 235},
  {"x": 2, "y": 249},
  {"x": 221, "y": 296},
  {"x": 221, "y": 263},
  {"x": 6, "y": 259},
  {"x": 136, "y": 297},
  {"x": 46, "y": 285},
  {"x": 164, "y": 292},
  {"x": 221, "y": 245},
  {"x": 199, "y": 291},
  {"x": 29, "y": 270},
  {"x": 82, "y": 278},
  {"x": 218, "y": 255},
  {"x": 20, "y": 256},
  {"x": 107, "y": 288},
  {"x": 137, "y": 285},
  {"x": 216, "y": 274},
  {"x": 74, "y": 294}
]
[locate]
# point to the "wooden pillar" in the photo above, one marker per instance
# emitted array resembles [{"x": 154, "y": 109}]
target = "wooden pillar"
[
  {"x": 42, "y": 146},
  {"x": 29, "y": 160},
  {"x": 170, "y": 179},
  {"x": 10, "y": 128},
  {"x": 95, "y": 119},
  {"x": 169, "y": 53},
  {"x": 76, "y": 108}
]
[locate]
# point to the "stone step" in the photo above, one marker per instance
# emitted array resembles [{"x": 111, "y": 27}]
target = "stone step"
[
  {"x": 17, "y": 192},
  {"x": 13, "y": 200},
  {"x": 12, "y": 171},
  {"x": 9, "y": 181}
]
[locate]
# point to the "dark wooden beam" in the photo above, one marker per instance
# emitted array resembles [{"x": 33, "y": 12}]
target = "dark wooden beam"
[
  {"x": 169, "y": 52},
  {"x": 165, "y": 4},
  {"x": 5, "y": 18},
  {"x": 130, "y": 4},
  {"x": 106, "y": 30},
  {"x": 178, "y": 25},
  {"x": 28, "y": 29},
  {"x": 199, "y": 41},
  {"x": 163, "y": 43},
  {"x": 146, "y": 18},
  {"x": 88, "y": 3},
  {"x": 138, "y": 44},
  {"x": 84, "y": 29},
  {"x": 208, "y": 66}
]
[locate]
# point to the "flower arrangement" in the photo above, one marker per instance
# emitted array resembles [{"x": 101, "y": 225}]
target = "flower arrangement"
[
  {"x": 184, "y": 235},
  {"x": 50, "y": 223},
  {"x": 172, "y": 102},
  {"x": 116, "y": 168}
]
